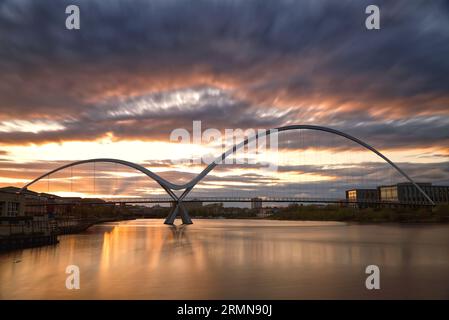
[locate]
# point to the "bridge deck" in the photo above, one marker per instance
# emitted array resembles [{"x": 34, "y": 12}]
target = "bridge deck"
[{"x": 113, "y": 201}]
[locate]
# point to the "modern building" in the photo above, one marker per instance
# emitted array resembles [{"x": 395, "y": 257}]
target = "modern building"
[
  {"x": 440, "y": 194},
  {"x": 405, "y": 193},
  {"x": 362, "y": 198},
  {"x": 256, "y": 203},
  {"x": 408, "y": 193},
  {"x": 14, "y": 219},
  {"x": 34, "y": 202}
]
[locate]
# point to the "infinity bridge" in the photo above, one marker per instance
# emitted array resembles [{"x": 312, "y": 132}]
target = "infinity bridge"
[{"x": 180, "y": 210}]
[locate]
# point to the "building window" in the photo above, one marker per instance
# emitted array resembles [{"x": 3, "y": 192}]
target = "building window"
[
  {"x": 352, "y": 195},
  {"x": 13, "y": 209}
]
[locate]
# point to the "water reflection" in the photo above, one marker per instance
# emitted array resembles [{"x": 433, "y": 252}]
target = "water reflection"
[{"x": 145, "y": 259}]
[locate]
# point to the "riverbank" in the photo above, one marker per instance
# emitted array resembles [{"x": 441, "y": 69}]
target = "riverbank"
[
  {"x": 439, "y": 214},
  {"x": 295, "y": 212},
  {"x": 31, "y": 240},
  {"x": 77, "y": 226},
  {"x": 27, "y": 241}
]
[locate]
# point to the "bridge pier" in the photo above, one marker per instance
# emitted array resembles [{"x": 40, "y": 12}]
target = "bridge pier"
[{"x": 178, "y": 208}]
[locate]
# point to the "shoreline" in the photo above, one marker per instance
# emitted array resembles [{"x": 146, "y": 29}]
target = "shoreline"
[
  {"x": 26, "y": 241},
  {"x": 313, "y": 220}
]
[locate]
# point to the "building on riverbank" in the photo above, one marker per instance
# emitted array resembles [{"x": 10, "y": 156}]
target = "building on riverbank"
[
  {"x": 404, "y": 193},
  {"x": 30, "y": 219},
  {"x": 13, "y": 220},
  {"x": 407, "y": 193},
  {"x": 19, "y": 229},
  {"x": 362, "y": 198},
  {"x": 256, "y": 203}
]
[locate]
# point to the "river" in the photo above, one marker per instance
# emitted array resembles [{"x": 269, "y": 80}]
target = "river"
[{"x": 234, "y": 259}]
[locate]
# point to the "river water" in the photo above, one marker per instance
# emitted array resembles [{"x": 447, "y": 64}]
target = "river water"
[{"x": 234, "y": 259}]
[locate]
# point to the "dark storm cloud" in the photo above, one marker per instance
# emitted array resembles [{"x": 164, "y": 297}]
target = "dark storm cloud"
[
  {"x": 144, "y": 118},
  {"x": 392, "y": 134},
  {"x": 300, "y": 52}
]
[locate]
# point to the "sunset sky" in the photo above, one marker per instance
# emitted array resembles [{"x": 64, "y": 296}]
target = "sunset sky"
[{"x": 136, "y": 70}]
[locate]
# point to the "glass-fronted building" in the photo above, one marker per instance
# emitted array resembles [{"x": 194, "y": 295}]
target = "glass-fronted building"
[
  {"x": 407, "y": 193},
  {"x": 362, "y": 198}
]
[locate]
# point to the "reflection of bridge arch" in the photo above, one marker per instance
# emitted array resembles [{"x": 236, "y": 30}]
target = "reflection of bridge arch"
[{"x": 187, "y": 187}]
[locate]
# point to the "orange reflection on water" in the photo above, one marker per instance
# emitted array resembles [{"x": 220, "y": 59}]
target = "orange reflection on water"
[{"x": 234, "y": 259}]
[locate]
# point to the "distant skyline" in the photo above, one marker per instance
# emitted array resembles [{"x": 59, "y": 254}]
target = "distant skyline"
[{"x": 136, "y": 70}]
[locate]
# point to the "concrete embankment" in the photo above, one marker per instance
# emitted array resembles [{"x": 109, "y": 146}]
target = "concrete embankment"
[
  {"x": 27, "y": 241},
  {"x": 77, "y": 226},
  {"x": 30, "y": 240}
]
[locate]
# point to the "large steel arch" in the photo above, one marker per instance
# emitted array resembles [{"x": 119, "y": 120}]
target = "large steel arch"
[
  {"x": 234, "y": 149},
  {"x": 161, "y": 181},
  {"x": 166, "y": 185}
]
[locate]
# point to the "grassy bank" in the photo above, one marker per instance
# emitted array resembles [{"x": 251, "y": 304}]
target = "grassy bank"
[{"x": 335, "y": 213}]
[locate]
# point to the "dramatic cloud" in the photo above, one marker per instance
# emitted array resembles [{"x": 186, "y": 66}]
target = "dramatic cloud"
[{"x": 136, "y": 70}]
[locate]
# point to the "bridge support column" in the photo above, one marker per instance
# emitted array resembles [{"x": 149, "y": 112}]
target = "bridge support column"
[
  {"x": 173, "y": 213},
  {"x": 178, "y": 208},
  {"x": 185, "y": 215}
]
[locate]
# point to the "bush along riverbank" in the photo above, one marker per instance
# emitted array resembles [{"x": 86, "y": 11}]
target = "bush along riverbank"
[{"x": 335, "y": 213}]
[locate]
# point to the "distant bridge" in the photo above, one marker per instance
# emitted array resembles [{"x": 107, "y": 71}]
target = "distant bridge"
[{"x": 179, "y": 208}]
